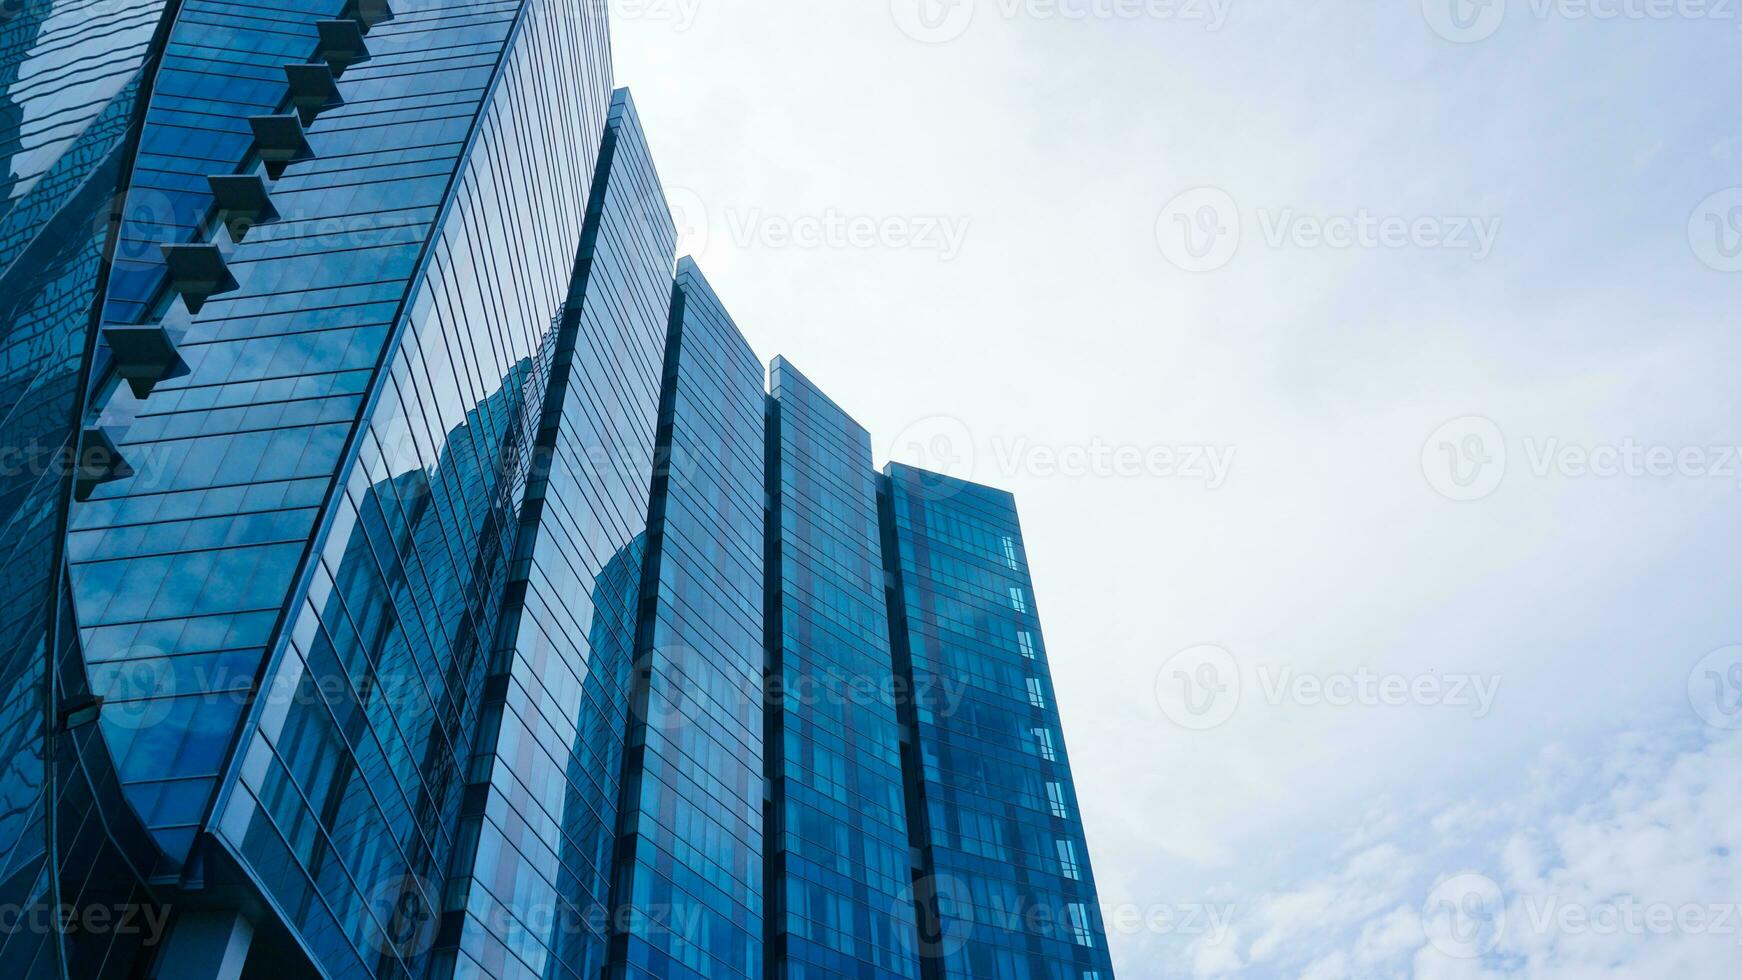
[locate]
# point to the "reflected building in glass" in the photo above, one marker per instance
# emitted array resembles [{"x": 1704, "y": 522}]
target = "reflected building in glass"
[
  {"x": 413, "y": 572},
  {"x": 689, "y": 861}
]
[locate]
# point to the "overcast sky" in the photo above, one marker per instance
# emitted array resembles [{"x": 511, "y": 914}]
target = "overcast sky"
[{"x": 1369, "y": 377}]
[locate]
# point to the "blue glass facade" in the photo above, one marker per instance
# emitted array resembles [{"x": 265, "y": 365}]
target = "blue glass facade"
[
  {"x": 72, "y": 81},
  {"x": 689, "y": 861},
  {"x": 1007, "y": 890},
  {"x": 457, "y": 159},
  {"x": 539, "y": 826},
  {"x": 294, "y": 394},
  {"x": 840, "y": 878},
  {"x": 414, "y": 573}
]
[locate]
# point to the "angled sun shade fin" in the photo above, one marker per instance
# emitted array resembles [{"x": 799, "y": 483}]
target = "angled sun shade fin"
[
  {"x": 369, "y": 12},
  {"x": 280, "y": 141},
  {"x": 99, "y": 462},
  {"x": 243, "y": 202},
  {"x": 144, "y": 355},
  {"x": 197, "y": 272},
  {"x": 79, "y": 710},
  {"x": 312, "y": 88},
  {"x": 341, "y": 44}
]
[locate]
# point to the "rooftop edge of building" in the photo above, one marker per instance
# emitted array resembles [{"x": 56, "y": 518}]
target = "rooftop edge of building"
[
  {"x": 782, "y": 366},
  {"x": 897, "y": 471}
]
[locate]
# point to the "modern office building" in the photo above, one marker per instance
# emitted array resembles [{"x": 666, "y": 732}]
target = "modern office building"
[
  {"x": 412, "y": 571},
  {"x": 991, "y": 802},
  {"x": 840, "y": 868},
  {"x": 689, "y": 860}
]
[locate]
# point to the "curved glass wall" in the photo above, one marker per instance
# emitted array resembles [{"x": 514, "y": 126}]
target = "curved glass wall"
[{"x": 71, "y": 78}]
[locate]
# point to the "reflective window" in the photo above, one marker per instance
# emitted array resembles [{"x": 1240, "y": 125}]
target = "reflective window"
[{"x": 1000, "y": 829}]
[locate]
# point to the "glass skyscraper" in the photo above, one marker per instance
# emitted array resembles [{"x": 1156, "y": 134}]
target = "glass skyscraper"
[
  {"x": 1007, "y": 889},
  {"x": 840, "y": 871},
  {"x": 413, "y": 572}
]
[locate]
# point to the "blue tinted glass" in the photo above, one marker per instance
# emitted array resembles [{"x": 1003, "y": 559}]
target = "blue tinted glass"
[
  {"x": 690, "y": 869},
  {"x": 532, "y": 874},
  {"x": 70, "y": 81},
  {"x": 839, "y": 832},
  {"x": 995, "y": 808}
]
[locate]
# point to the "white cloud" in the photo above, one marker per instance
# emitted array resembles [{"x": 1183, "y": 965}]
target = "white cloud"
[
  {"x": 1431, "y": 964},
  {"x": 1332, "y": 967},
  {"x": 1211, "y": 960},
  {"x": 1630, "y": 875},
  {"x": 1385, "y": 939},
  {"x": 1643, "y": 881},
  {"x": 1296, "y": 920}
]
